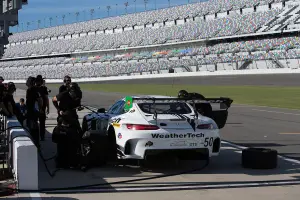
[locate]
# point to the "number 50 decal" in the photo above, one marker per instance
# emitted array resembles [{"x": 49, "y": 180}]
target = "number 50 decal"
[{"x": 208, "y": 141}]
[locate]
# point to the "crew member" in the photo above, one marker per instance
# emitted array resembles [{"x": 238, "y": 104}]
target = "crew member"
[
  {"x": 3, "y": 108},
  {"x": 44, "y": 84},
  {"x": 203, "y": 108},
  {"x": 183, "y": 94},
  {"x": 63, "y": 88},
  {"x": 43, "y": 90},
  {"x": 10, "y": 102},
  {"x": 66, "y": 103},
  {"x": 21, "y": 106},
  {"x": 34, "y": 103},
  {"x": 67, "y": 82}
]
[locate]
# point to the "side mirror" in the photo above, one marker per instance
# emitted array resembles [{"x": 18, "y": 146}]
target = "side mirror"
[{"x": 101, "y": 110}]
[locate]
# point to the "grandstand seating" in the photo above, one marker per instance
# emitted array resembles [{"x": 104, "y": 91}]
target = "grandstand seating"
[
  {"x": 94, "y": 43},
  {"x": 188, "y": 31}
]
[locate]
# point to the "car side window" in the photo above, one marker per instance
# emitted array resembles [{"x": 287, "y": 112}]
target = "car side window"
[
  {"x": 121, "y": 108},
  {"x": 115, "y": 107}
]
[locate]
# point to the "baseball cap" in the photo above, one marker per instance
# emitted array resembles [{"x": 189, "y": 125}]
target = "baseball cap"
[{"x": 39, "y": 77}]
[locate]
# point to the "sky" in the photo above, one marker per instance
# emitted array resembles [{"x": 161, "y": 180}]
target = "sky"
[{"x": 37, "y": 13}]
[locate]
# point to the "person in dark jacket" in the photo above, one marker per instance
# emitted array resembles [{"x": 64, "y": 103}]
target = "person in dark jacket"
[
  {"x": 3, "y": 109},
  {"x": 21, "y": 106},
  {"x": 43, "y": 91},
  {"x": 9, "y": 101},
  {"x": 68, "y": 146},
  {"x": 34, "y": 103},
  {"x": 63, "y": 88}
]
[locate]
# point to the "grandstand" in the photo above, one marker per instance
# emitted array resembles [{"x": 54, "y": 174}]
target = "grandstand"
[{"x": 207, "y": 36}]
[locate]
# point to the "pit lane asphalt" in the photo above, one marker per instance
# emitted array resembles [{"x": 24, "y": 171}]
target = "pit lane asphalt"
[{"x": 250, "y": 126}]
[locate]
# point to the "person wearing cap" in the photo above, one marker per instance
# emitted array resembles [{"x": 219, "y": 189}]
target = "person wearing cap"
[{"x": 43, "y": 91}]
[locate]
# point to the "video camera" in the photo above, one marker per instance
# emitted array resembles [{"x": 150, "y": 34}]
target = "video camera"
[
  {"x": 7, "y": 88},
  {"x": 75, "y": 91}
]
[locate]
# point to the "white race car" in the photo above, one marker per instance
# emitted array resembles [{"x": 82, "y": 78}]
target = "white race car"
[{"x": 144, "y": 126}]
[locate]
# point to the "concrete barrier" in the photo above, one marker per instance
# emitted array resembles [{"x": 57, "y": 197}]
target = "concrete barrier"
[
  {"x": 23, "y": 156},
  {"x": 182, "y": 74}
]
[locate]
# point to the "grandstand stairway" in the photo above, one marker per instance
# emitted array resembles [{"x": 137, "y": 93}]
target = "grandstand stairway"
[
  {"x": 278, "y": 63},
  {"x": 246, "y": 64},
  {"x": 282, "y": 20}
]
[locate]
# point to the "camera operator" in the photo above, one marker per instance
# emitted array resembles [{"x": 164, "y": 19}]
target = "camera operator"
[
  {"x": 66, "y": 103},
  {"x": 34, "y": 103},
  {"x": 43, "y": 90}
]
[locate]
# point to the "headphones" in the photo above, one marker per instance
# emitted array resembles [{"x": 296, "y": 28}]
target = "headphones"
[
  {"x": 11, "y": 87},
  {"x": 67, "y": 78}
]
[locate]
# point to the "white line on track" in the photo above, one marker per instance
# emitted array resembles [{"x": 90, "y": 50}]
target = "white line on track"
[
  {"x": 282, "y": 157},
  {"x": 189, "y": 187},
  {"x": 278, "y": 112},
  {"x": 35, "y": 196},
  {"x": 257, "y": 106}
]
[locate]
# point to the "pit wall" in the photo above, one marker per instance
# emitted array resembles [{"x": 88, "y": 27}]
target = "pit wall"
[{"x": 181, "y": 74}]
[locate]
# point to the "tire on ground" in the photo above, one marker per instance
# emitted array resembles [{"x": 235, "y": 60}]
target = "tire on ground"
[
  {"x": 84, "y": 125},
  {"x": 112, "y": 144},
  {"x": 259, "y": 158}
]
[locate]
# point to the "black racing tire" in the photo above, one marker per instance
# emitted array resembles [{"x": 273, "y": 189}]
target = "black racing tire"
[
  {"x": 259, "y": 158},
  {"x": 112, "y": 144},
  {"x": 84, "y": 125}
]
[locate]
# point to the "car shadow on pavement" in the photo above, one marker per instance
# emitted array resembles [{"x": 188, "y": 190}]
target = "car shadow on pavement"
[
  {"x": 39, "y": 198},
  {"x": 66, "y": 178}
]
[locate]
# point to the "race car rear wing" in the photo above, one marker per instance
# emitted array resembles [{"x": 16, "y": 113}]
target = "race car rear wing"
[
  {"x": 220, "y": 116},
  {"x": 225, "y": 102}
]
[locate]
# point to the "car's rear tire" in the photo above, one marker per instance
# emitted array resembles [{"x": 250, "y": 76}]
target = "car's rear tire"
[
  {"x": 259, "y": 158},
  {"x": 84, "y": 125},
  {"x": 112, "y": 144}
]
